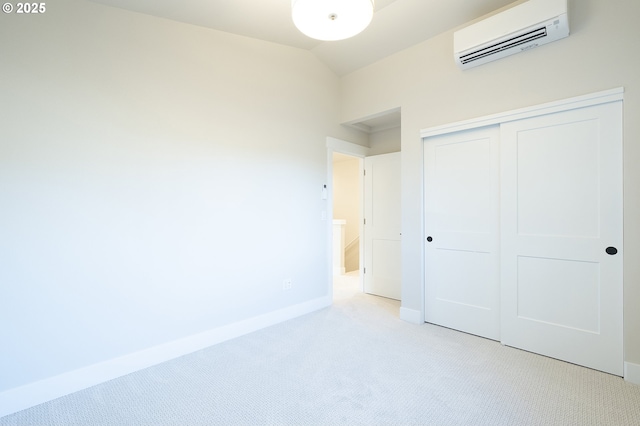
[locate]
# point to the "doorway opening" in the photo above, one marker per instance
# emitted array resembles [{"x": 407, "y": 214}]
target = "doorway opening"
[{"x": 347, "y": 221}]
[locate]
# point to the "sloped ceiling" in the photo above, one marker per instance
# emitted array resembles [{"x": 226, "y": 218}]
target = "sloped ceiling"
[{"x": 396, "y": 25}]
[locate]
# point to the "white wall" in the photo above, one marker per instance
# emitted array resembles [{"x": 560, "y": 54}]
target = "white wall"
[
  {"x": 157, "y": 180},
  {"x": 429, "y": 88},
  {"x": 385, "y": 141}
]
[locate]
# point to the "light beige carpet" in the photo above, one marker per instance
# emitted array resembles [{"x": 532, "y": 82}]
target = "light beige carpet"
[{"x": 354, "y": 363}]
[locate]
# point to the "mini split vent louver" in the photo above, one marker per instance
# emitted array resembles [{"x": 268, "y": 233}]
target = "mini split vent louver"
[{"x": 520, "y": 28}]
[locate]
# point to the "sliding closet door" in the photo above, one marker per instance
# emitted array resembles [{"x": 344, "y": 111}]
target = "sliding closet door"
[
  {"x": 461, "y": 231},
  {"x": 561, "y": 236}
]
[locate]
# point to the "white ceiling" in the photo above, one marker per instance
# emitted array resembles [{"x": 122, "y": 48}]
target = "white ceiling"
[{"x": 396, "y": 25}]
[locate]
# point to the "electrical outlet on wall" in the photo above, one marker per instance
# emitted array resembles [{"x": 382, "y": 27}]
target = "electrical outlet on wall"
[{"x": 287, "y": 284}]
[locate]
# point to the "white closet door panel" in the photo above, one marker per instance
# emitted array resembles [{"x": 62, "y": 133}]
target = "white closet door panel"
[
  {"x": 461, "y": 220},
  {"x": 561, "y": 208},
  {"x": 558, "y": 173}
]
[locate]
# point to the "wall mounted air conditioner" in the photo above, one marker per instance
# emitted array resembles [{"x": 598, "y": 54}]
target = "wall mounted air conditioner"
[{"x": 523, "y": 27}]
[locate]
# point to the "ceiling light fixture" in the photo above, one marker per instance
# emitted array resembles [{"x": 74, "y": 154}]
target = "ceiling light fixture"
[{"x": 331, "y": 20}]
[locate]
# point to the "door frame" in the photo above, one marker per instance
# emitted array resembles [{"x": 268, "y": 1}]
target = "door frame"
[{"x": 335, "y": 145}]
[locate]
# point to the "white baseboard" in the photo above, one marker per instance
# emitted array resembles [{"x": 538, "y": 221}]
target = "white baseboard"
[
  {"x": 411, "y": 315},
  {"x": 632, "y": 373},
  {"x": 23, "y": 397}
]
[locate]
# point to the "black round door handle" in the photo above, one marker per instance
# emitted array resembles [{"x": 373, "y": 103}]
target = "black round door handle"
[
  {"x": 429, "y": 239},
  {"x": 611, "y": 250}
]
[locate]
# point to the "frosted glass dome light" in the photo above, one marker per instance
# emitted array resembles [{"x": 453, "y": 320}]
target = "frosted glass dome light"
[{"x": 331, "y": 20}]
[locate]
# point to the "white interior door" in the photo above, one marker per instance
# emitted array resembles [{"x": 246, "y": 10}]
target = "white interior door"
[
  {"x": 461, "y": 225},
  {"x": 382, "y": 262},
  {"x": 561, "y": 236}
]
